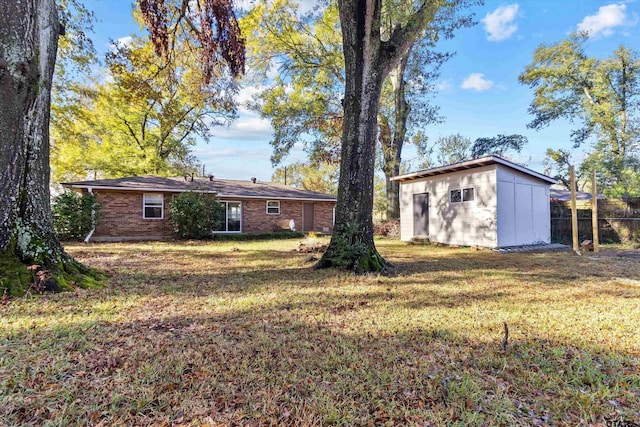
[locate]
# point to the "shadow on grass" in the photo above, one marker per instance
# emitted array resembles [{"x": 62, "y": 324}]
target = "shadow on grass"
[
  {"x": 296, "y": 363},
  {"x": 258, "y": 337},
  {"x": 460, "y": 274}
]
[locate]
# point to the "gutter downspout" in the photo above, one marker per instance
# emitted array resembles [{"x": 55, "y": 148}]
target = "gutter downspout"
[{"x": 93, "y": 219}]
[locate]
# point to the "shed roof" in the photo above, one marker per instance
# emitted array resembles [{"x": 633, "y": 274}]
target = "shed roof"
[
  {"x": 472, "y": 164},
  {"x": 225, "y": 188}
]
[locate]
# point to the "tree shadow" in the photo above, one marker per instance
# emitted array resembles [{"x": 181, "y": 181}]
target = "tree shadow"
[
  {"x": 261, "y": 338},
  {"x": 295, "y": 364}
]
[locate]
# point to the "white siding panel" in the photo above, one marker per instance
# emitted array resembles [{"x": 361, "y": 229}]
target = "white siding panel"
[
  {"x": 504, "y": 174},
  {"x": 406, "y": 213},
  {"x": 541, "y": 214},
  {"x": 523, "y": 209},
  {"x": 506, "y": 213},
  {"x": 467, "y": 223},
  {"x": 524, "y": 213}
]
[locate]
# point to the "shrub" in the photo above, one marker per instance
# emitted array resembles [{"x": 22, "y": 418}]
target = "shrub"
[
  {"x": 195, "y": 215},
  {"x": 262, "y": 236},
  {"x": 74, "y": 214},
  {"x": 390, "y": 228}
]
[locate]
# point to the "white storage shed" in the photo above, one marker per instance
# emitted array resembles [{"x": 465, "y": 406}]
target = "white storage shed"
[{"x": 488, "y": 202}]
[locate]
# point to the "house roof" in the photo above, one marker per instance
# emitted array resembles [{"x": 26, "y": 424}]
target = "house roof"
[
  {"x": 471, "y": 164},
  {"x": 563, "y": 195},
  {"x": 224, "y": 188}
]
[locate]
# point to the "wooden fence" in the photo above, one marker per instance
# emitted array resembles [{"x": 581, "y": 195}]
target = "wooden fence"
[{"x": 618, "y": 221}]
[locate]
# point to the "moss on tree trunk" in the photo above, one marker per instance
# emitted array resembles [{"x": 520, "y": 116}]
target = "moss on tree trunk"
[
  {"x": 352, "y": 250},
  {"x": 19, "y": 276}
]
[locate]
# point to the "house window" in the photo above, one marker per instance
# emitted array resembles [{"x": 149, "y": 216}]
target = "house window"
[
  {"x": 232, "y": 221},
  {"x": 273, "y": 207},
  {"x": 462, "y": 195},
  {"x": 152, "y": 206}
]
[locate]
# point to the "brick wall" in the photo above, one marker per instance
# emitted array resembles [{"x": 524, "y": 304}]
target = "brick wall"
[
  {"x": 121, "y": 217},
  {"x": 256, "y": 220},
  {"x": 324, "y": 216}
]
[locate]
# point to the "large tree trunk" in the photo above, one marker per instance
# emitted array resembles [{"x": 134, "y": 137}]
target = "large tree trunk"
[
  {"x": 368, "y": 61},
  {"x": 28, "y": 45},
  {"x": 352, "y": 243}
]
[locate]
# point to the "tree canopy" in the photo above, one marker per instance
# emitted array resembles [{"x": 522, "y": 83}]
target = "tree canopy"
[
  {"x": 304, "y": 102},
  {"x": 321, "y": 177},
  {"x": 208, "y": 26},
  {"x": 498, "y": 145},
  {"x": 298, "y": 58},
  {"x": 145, "y": 116},
  {"x": 601, "y": 96},
  {"x": 453, "y": 149}
]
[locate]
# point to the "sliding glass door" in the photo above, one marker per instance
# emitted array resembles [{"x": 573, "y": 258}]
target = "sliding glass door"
[{"x": 232, "y": 222}]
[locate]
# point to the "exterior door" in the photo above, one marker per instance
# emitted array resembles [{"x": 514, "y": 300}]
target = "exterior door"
[
  {"x": 308, "y": 215},
  {"x": 421, "y": 215}
]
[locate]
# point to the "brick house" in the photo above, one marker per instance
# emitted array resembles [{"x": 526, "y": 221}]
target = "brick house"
[{"x": 137, "y": 208}]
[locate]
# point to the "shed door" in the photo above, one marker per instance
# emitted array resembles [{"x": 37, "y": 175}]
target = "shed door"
[
  {"x": 421, "y": 214},
  {"x": 307, "y": 221}
]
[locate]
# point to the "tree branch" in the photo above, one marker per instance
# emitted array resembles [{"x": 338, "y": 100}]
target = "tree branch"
[
  {"x": 403, "y": 37},
  {"x": 131, "y": 131}
]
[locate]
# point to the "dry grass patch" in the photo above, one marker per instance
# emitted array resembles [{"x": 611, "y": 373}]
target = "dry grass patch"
[{"x": 248, "y": 333}]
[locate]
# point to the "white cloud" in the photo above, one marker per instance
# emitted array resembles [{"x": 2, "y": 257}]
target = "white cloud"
[
  {"x": 274, "y": 68},
  {"x": 247, "y": 127},
  {"x": 246, "y": 94},
  {"x": 443, "y": 85},
  {"x": 603, "y": 22},
  {"x": 124, "y": 41},
  {"x": 499, "y": 23},
  {"x": 230, "y": 153},
  {"x": 304, "y": 6},
  {"x": 477, "y": 82},
  {"x": 245, "y": 97}
]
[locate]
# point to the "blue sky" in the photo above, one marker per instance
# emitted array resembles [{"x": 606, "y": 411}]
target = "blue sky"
[{"x": 479, "y": 93}]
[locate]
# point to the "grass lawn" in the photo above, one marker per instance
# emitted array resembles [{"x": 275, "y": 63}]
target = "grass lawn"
[{"x": 248, "y": 333}]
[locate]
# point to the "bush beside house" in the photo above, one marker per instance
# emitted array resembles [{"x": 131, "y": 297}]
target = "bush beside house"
[
  {"x": 195, "y": 215},
  {"x": 74, "y": 214}
]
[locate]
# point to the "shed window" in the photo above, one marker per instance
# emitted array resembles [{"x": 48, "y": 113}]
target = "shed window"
[
  {"x": 273, "y": 207},
  {"x": 152, "y": 206},
  {"x": 462, "y": 195}
]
